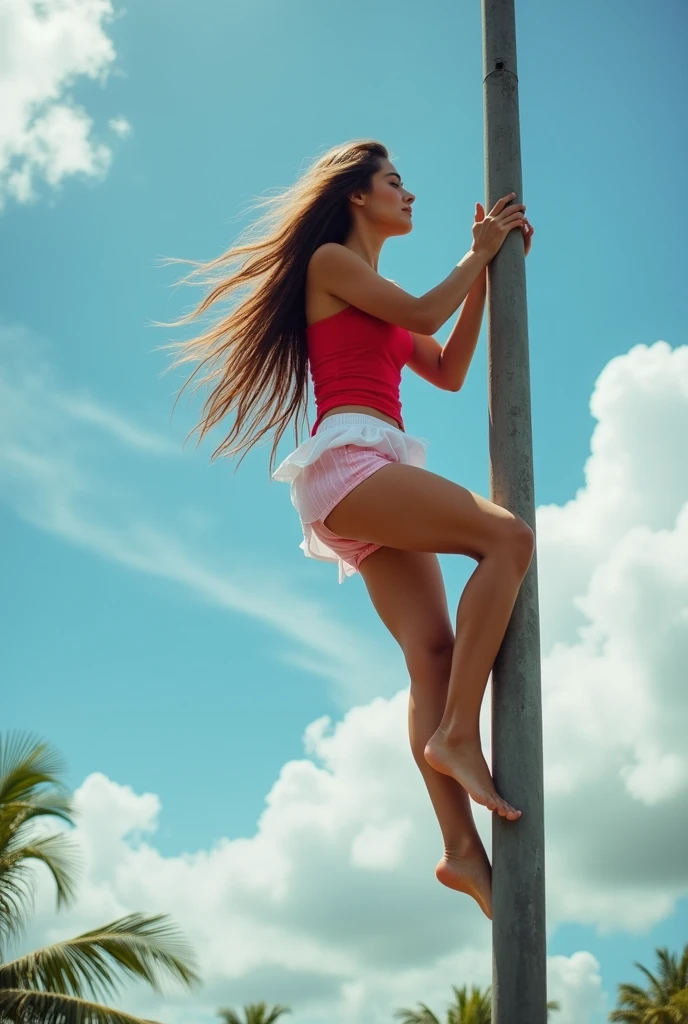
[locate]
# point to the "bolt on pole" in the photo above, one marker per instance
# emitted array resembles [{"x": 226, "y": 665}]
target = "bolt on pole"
[{"x": 519, "y": 989}]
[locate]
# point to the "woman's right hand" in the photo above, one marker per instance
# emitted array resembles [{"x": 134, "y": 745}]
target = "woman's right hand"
[{"x": 489, "y": 232}]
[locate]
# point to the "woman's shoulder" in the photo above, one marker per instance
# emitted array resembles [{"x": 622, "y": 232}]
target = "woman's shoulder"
[
  {"x": 321, "y": 303},
  {"x": 326, "y": 255}
]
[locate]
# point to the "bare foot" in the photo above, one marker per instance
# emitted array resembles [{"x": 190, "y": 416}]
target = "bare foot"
[
  {"x": 470, "y": 873},
  {"x": 465, "y": 762}
]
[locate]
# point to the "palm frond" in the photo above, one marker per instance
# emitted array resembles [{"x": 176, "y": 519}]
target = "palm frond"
[
  {"x": 17, "y": 880},
  {"x": 656, "y": 989},
  {"x": 18, "y": 1005},
  {"x": 668, "y": 965},
  {"x": 627, "y": 1016},
  {"x": 275, "y": 1014},
  {"x": 30, "y": 789},
  {"x": 633, "y": 996},
  {"x": 633, "y": 1005},
  {"x": 677, "y": 1007},
  {"x": 26, "y": 763},
  {"x": 474, "y": 1007},
  {"x": 424, "y": 1016},
  {"x": 254, "y": 1013},
  {"x": 683, "y": 967},
  {"x": 229, "y": 1016},
  {"x": 665, "y": 1001},
  {"x": 136, "y": 946},
  {"x": 60, "y": 854},
  {"x": 16, "y": 902},
  {"x": 14, "y": 814}
]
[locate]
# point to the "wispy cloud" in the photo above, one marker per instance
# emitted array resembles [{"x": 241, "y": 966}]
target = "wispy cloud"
[
  {"x": 88, "y": 411},
  {"x": 46, "y": 476}
]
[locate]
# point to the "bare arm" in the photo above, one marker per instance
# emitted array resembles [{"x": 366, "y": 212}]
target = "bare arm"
[
  {"x": 342, "y": 273},
  {"x": 446, "y": 366}
]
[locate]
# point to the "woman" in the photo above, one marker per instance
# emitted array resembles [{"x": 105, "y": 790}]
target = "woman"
[{"x": 318, "y": 302}]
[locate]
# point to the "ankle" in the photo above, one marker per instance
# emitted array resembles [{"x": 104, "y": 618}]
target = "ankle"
[
  {"x": 457, "y": 734},
  {"x": 463, "y": 847}
]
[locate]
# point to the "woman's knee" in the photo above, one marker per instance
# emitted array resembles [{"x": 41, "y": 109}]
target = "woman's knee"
[
  {"x": 518, "y": 540},
  {"x": 428, "y": 657}
]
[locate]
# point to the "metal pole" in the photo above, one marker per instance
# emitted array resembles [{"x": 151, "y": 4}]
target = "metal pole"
[{"x": 519, "y": 992}]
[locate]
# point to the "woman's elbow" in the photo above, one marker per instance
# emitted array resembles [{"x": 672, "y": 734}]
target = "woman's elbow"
[{"x": 425, "y": 322}]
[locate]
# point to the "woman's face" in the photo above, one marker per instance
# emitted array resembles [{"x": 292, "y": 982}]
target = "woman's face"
[{"x": 388, "y": 204}]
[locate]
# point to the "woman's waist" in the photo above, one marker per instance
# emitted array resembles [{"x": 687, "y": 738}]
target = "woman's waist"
[{"x": 356, "y": 412}]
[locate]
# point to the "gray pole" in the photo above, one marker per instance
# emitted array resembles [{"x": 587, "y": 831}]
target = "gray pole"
[{"x": 519, "y": 993}]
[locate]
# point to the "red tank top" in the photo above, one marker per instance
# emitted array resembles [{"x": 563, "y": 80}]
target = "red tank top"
[{"x": 357, "y": 359}]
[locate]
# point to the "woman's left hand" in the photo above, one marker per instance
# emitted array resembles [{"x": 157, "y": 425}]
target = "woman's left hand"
[{"x": 527, "y": 230}]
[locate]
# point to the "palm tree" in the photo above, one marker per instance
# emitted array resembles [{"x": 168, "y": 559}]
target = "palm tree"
[
  {"x": 475, "y": 1008},
  {"x": 665, "y": 1001},
  {"x": 51, "y": 985},
  {"x": 467, "y": 1009},
  {"x": 30, "y": 789},
  {"x": 254, "y": 1013}
]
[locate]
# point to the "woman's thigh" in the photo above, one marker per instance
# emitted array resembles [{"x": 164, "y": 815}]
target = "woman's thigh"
[
  {"x": 412, "y": 509},
  {"x": 407, "y": 591}
]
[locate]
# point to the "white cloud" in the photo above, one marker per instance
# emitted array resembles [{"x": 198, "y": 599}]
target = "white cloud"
[
  {"x": 380, "y": 847},
  {"x": 289, "y": 915},
  {"x": 615, "y": 699},
  {"x": 635, "y": 476},
  {"x": 86, "y": 410},
  {"x": 120, "y": 126},
  {"x": 47, "y": 47},
  {"x": 576, "y": 984}
]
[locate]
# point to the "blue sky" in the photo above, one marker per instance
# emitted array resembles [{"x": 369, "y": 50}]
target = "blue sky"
[{"x": 163, "y": 629}]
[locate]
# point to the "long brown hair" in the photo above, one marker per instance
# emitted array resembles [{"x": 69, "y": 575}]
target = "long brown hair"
[{"x": 259, "y": 348}]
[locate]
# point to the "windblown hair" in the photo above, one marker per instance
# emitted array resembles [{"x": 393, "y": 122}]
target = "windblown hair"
[{"x": 258, "y": 351}]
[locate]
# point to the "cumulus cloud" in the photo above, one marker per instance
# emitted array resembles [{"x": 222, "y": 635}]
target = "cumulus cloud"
[
  {"x": 614, "y": 598},
  {"x": 44, "y": 135},
  {"x": 634, "y": 477},
  {"x": 296, "y": 913},
  {"x": 575, "y": 982}
]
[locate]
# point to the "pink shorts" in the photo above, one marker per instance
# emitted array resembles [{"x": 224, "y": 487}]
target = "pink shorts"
[{"x": 346, "y": 449}]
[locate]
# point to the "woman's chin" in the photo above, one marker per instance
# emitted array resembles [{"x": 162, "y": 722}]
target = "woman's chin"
[{"x": 405, "y": 228}]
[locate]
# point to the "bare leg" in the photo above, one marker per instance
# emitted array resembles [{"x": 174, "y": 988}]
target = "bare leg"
[
  {"x": 464, "y": 865},
  {"x": 482, "y": 618},
  {"x": 440, "y": 516}
]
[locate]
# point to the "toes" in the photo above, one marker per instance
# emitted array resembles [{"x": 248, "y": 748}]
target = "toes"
[{"x": 507, "y": 811}]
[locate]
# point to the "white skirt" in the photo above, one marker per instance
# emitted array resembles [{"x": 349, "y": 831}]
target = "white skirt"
[{"x": 315, "y": 492}]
